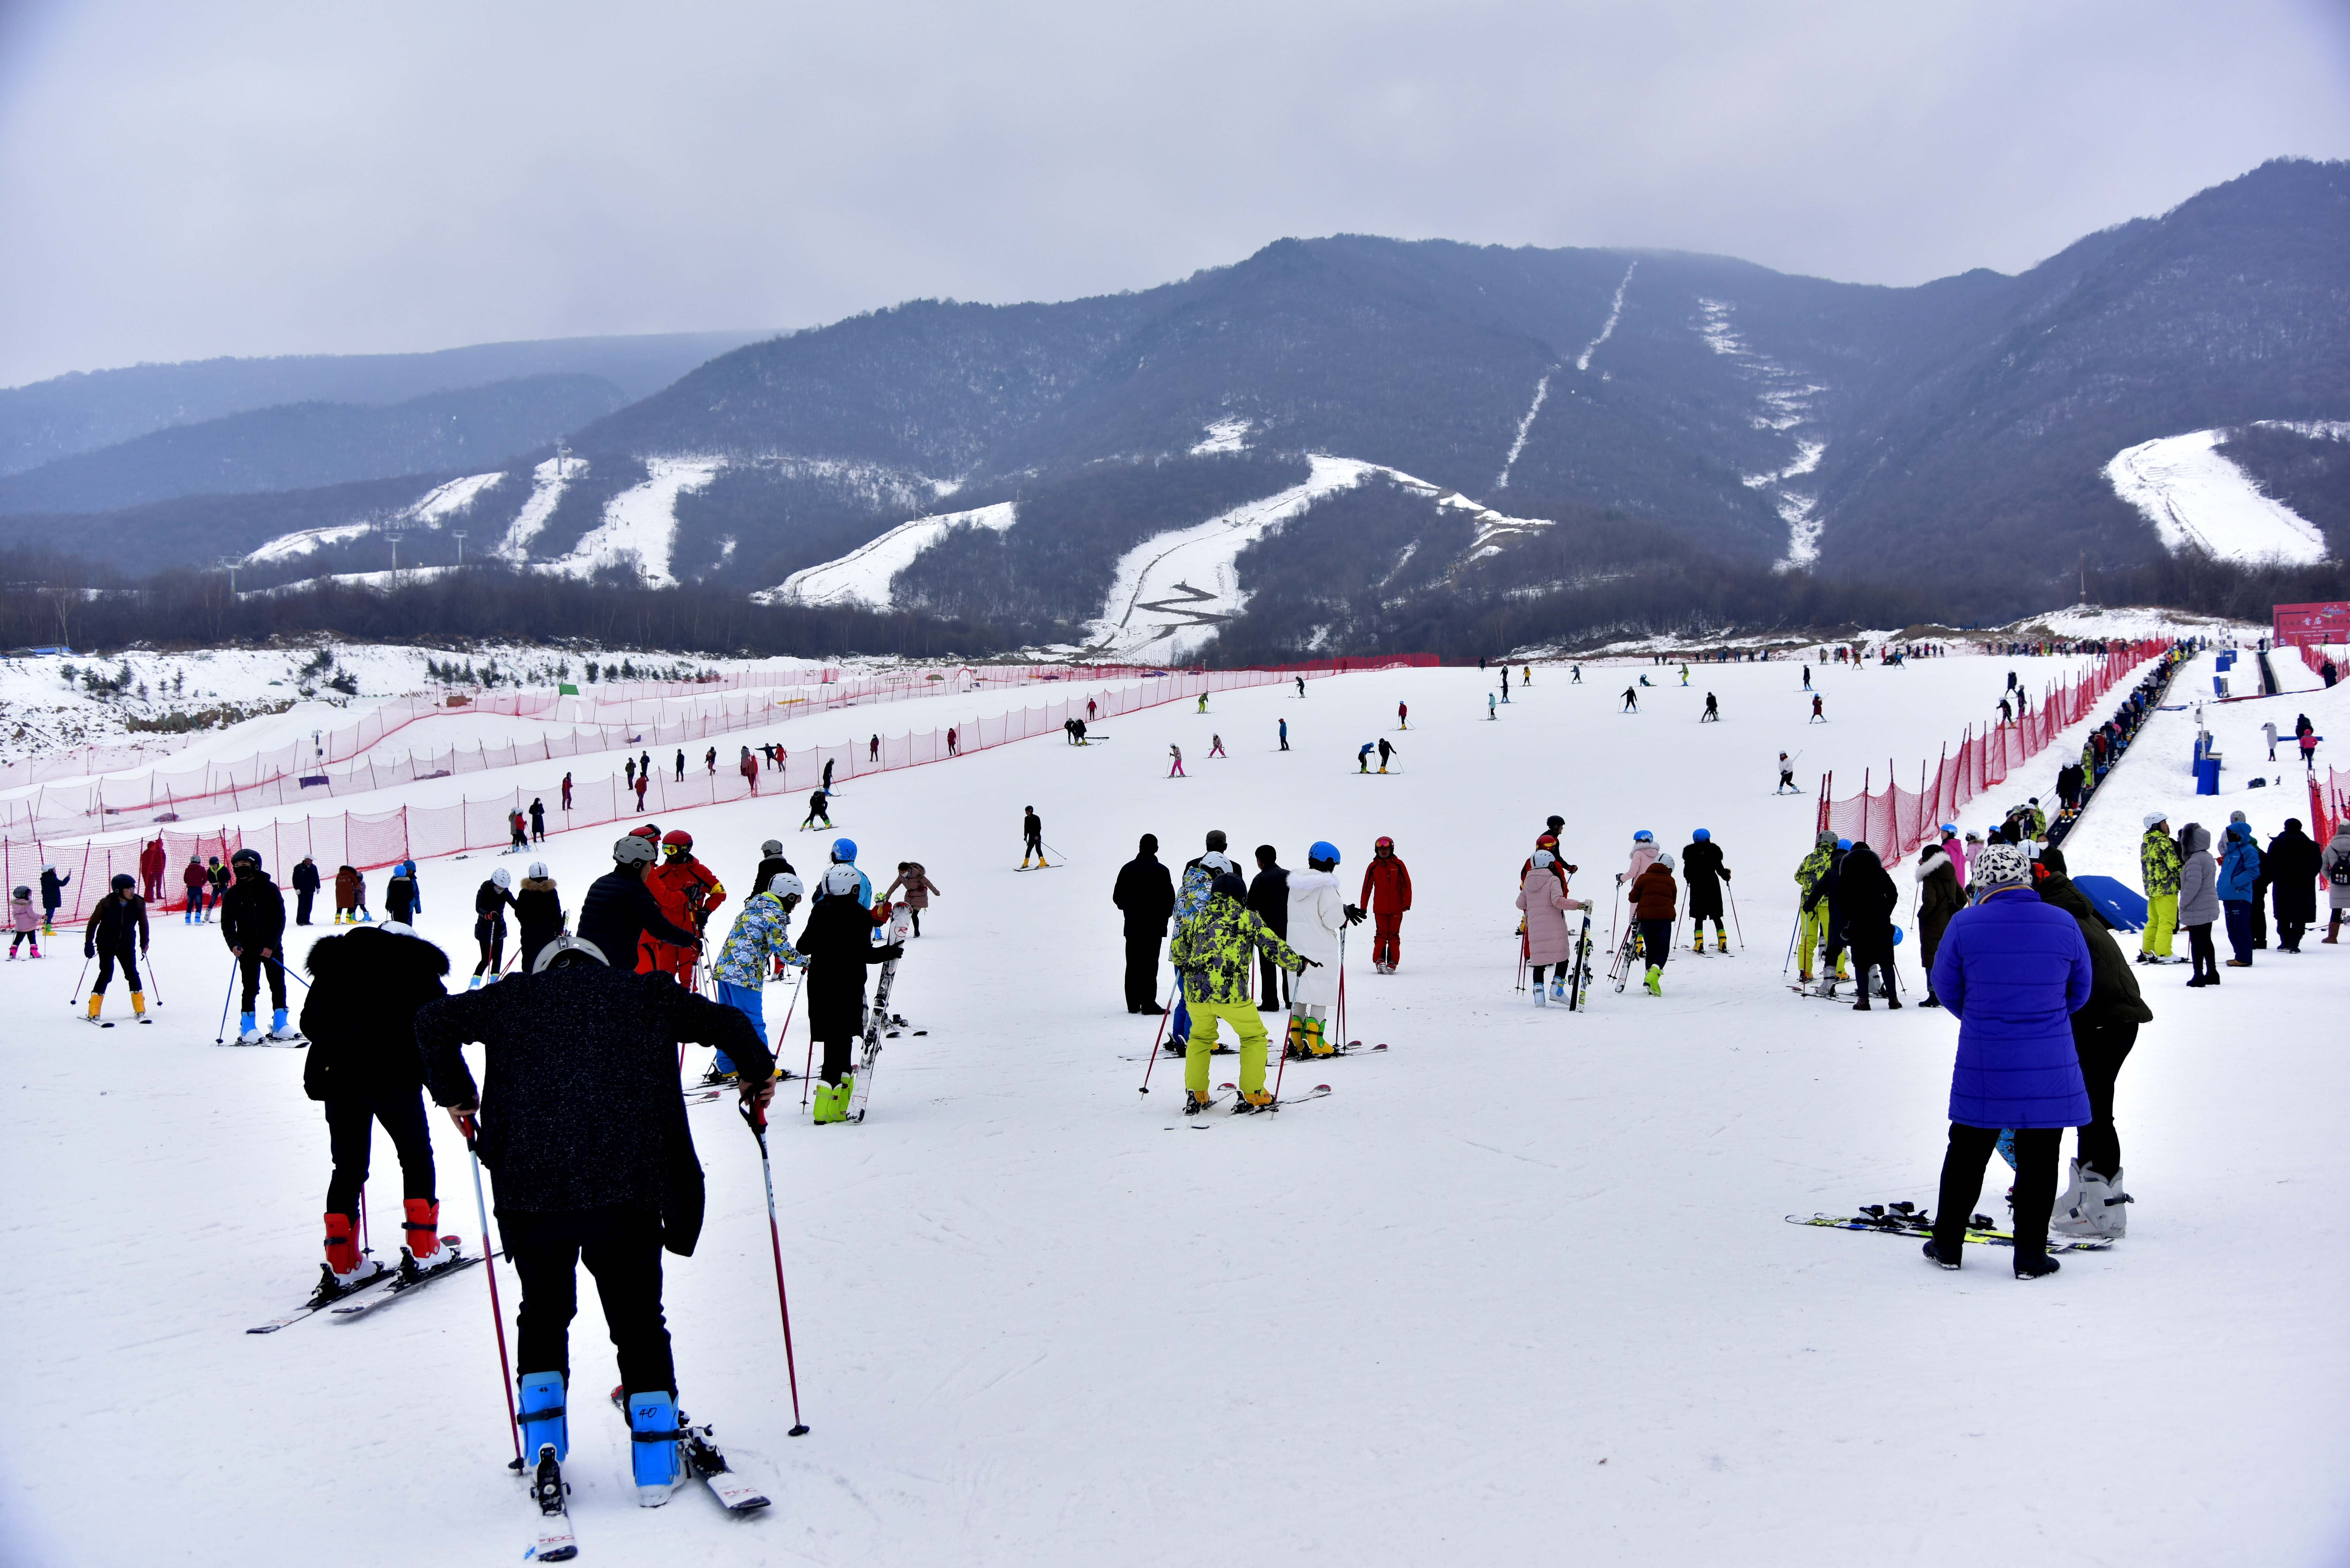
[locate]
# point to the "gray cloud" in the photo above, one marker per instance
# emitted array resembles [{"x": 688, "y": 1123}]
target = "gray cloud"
[{"x": 260, "y": 179}]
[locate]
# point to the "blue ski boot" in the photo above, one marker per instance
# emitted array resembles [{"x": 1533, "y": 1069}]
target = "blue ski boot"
[
  {"x": 542, "y": 1421},
  {"x": 277, "y": 1025},
  {"x": 652, "y": 1420},
  {"x": 247, "y": 1031}
]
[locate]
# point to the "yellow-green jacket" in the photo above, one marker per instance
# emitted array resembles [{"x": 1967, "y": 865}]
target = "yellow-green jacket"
[
  {"x": 2157, "y": 857},
  {"x": 1814, "y": 866},
  {"x": 1212, "y": 950}
]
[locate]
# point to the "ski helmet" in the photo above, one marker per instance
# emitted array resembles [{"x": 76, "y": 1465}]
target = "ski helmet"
[
  {"x": 1545, "y": 859},
  {"x": 1230, "y": 885},
  {"x": 122, "y": 882},
  {"x": 501, "y": 879},
  {"x": 2153, "y": 819},
  {"x": 1215, "y": 864},
  {"x": 772, "y": 847},
  {"x": 841, "y": 881},
  {"x": 538, "y": 870},
  {"x": 649, "y": 832},
  {"x": 1844, "y": 844},
  {"x": 1702, "y": 837},
  {"x": 247, "y": 857},
  {"x": 1644, "y": 836},
  {"x": 678, "y": 836},
  {"x": 1952, "y": 828},
  {"x": 843, "y": 849},
  {"x": 1665, "y": 859},
  {"x": 22, "y": 892},
  {"x": 784, "y": 884},
  {"x": 1827, "y": 840},
  {"x": 1323, "y": 849},
  {"x": 633, "y": 850},
  {"x": 1383, "y": 843},
  {"x": 567, "y": 948}
]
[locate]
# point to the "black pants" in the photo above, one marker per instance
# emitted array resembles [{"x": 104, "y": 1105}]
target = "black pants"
[
  {"x": 1656, "y": 938},
  {"x": 302, "y": 897},
  {"x": 837, "y": 1053},
  {"x": 350, "y": 1133},
  {"x": 251, "y": 964},
  {"x": 107, "y": 960},
  {"x": 621, "y": 1247},
  {"x": 531, "y": 942},
  {"x": 2199, "y": 948},
  {"x": 1877, "y": 957},
  {"x": 1272, "y": 980},
  {"x": 492, "y": 941},
  {"x": 1962, "y": 1176},
  {"x": 2289, "y": 932},
  {"x": 915, "y": 916},
  {"x": 2102, "y": 1050},
  {"x": 1141, "y": 968}
]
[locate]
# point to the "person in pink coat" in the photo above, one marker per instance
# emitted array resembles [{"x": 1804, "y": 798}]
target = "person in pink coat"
[{"x": 1542, "y": 897}]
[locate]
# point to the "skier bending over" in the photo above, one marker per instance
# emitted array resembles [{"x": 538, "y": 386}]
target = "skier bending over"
[
  {"x": 1386, "y": 893},
  {"x": 361, "y": 1016},
  {"x": 1216, "y": 746},
  {"x": 1543, "y": 898},
  {"x": 1301, "y": 686},
  {"x": 1363, "y": 758},
  {"x": 1713, "y": 715},
  {"x": 837, "y": 942},
  {"x": 584, "y": 1126},
  {"x": 1702, "y": 868},
  {"x": 819, "y": 810},
  {"x": 1211, "y": 951},
  {"x": 1032, "y": 836}
]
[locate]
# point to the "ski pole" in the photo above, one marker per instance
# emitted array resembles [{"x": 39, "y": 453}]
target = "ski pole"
[
  {"x": 221, "y": 1033},
  {"x": 85, "y": 975},
  {"x": 1733, "y": 916},
  {"x": 154, "y": 980},
  {"x": 755, "y": 1120},
  {"x": 366, "y": 1241},
  {"x": 1165, "y": 1014},
  {"x": 1791, "y": 942},
  {"x": 1342, "y": 985},
  {"x": 497, "y": 1313}
]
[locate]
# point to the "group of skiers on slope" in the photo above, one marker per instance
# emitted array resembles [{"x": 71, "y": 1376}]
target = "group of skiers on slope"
[
  {"x": 2189, "y": 887},
  {"x": 1290, "y": 921},
  {"x": 2305, "y": 734},
  {"x": 1648, "y": 883}
]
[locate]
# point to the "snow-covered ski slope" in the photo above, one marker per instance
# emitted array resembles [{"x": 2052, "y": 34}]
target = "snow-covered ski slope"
[
  {"x": 862, "y": 577},
  {"x": 1042, "y": 1319},
  {"x": 2194, "y": 495}
]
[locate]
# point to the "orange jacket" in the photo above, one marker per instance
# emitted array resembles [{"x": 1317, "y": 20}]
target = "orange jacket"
[
  {"x": 1386, "y": 885},
  {"x": 685, "y": 889}
]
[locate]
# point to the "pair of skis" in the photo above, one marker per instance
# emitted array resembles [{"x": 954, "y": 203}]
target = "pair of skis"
[
  {"x": 1908, "y": 1220},
  {"x": 877, "y": 1018},
  {"x": 361, "y": 1298},
  {"x": 555, "y": 1541}
]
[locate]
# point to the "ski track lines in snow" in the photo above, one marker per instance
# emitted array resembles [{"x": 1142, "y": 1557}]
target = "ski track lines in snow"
[
  {"x": 547, "y": 483},
  {"x": 1157, "y": 610},
  {"x": 863, "y": 575},
  {"x": 1041, "y": 1319},
  {"x": 2191, "y": 492},
  {"x": 1607, "y": 328},
  {"x": 1526, "y": 425},
  {"x": 641, "y": 520}
]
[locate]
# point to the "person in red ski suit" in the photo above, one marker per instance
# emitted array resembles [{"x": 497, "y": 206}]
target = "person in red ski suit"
[
  {"x": 150, "y": 872},
  {"x": 1386, "y": 893},
  {"x": 686, "y": 890}
]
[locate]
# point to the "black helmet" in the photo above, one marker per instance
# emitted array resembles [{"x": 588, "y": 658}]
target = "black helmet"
[
  {"x": 247, "y": 857},
  {"x": 122, "y": 882}
]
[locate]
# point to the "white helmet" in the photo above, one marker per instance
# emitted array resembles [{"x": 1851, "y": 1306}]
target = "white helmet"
[
  {"x": 1665, "y": 860},
  {"x": 538, "y": 870},
  {"x": 784, "y": 884},
  {"x": 1542, "y": 859},
  {"x": 2154, "y": 819},
  {"x": 841, "y": 880},
  {"x": 501, "y": 877}
]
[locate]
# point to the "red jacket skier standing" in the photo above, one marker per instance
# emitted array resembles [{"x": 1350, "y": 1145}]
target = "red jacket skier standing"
[{"x": 1386, "y": 893}]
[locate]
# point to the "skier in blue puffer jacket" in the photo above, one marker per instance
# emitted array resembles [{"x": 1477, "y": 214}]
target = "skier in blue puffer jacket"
[
  {"x": 2240, "y": 887},
  {"x": 2012, "y": 970}
]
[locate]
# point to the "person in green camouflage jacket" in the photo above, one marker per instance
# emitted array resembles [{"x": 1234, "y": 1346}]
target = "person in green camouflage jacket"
[
  {"x": 758, "y": 942},
  {"x": 2158, "y": 859},
  {"x": 1811, "y": 917},
  {"x": 1214, "y": 950}
]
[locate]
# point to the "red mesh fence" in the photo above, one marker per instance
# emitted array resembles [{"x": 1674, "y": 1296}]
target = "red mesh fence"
[
  {"x": 2329, "y": 803},
  {"x": 1895, "y": 820},
  {"x": 340, "y": 839}
]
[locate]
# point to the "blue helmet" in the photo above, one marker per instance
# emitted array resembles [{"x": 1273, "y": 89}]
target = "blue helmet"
[
  {"x": 1702, "y": 836},
  {"x": 1323, "y": 849},
  {"x": 1644, "y": 836},
  {"x": 843, "y": 849},
  {"x": 1844, "y": 844}
]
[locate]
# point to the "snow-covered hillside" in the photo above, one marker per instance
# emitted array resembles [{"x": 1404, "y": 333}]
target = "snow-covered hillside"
[
  {"x": 438, "y": 505},
  {"x": 1523, "y": 1277},
  {"x": 640, "y": 522},
  {"x": 2191, "y": 492},
  {"x": 862, "y": 577}
]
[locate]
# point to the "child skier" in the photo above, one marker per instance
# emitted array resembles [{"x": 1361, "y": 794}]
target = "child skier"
[
  {"x": 1318, "y": 912},
  {"x": 758, "y": 943},
  {"x": 24, "y": 923},
  {"x": 118, "y": 934}
]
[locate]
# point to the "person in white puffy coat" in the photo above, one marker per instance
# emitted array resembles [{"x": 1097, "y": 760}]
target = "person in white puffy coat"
[{"x": 1317, "y": 913}]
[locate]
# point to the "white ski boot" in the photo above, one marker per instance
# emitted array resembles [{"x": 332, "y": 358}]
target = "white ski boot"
[
  {"x": 2101, "y": 1211},
  {"x": 2069, "y": 1196},
  {"x": 1542, "y": 993}
]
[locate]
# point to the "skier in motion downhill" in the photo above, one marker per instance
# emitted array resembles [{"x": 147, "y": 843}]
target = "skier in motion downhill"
[
  {"x": 1386, "y": 894},
  {"x": 594, "y": 1159}
]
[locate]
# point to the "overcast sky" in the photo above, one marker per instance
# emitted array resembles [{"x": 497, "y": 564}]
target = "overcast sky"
[{"x": 183, "y": 180}]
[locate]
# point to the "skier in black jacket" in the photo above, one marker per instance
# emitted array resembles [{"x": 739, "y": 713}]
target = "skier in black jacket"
[
  {"x": 771, "y": 864},
  {"x": 619, "y": 910},
  {"x": 306, "y": 887},
  {"x": 1268, "y": 898},
  {"x": 837, "y": 942},
  {"x": 584, "y": 1123},
  {"x": 1867, "y": 897},
  {"x": 117, "y": 934},
  {"x": 1703, "y": 874},
  {"x": 1146, "y": 894},
  {"x": 361, "y": 1017},
  {"x": 253, "y": 924}
]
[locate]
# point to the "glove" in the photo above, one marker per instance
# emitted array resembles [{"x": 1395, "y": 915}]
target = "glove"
[
  {"x": 89, "y": 951},
  {"x": 1354, "y": 915},
  {"x": 894, "y": 951},
  {"x": 1307, "y": 963}
]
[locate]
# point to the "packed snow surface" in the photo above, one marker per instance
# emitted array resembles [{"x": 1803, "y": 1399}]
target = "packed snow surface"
[
  {"x": 1522, "y": 1278},
  {"x": 547, "y": 483},
  {"x": 437, "y": 507},
  {"x": 862, "y": 578},
  {"x": 2194, "y": 495},
  {"x": 1608, "y": 327},
  {"x": 1526, "y": 425},
  {"x": 1228, "y": 434},
  {"x": 640, "y": 522}
]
